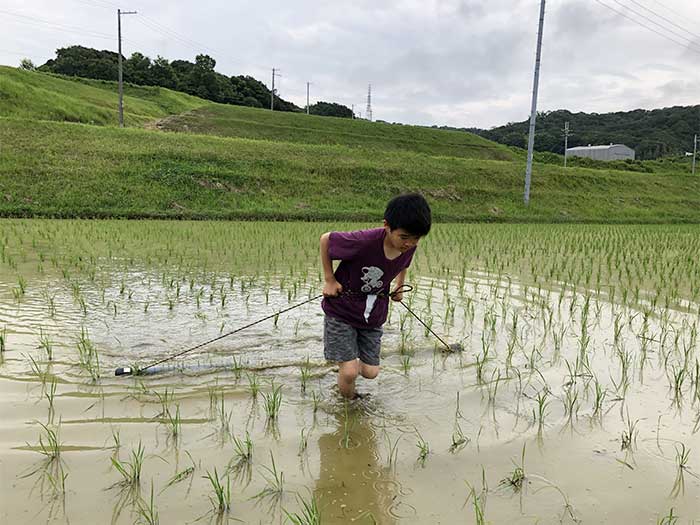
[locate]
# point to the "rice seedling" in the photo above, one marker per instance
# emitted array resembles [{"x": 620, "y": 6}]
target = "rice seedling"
[
  {"x": 146, "y": 511},
  {"x": 3, "y": 339},
  {"x": 50, "y": 442},
  {"x": 423, "y": 449},
  {"x": 88, "y": 356},
  {"x": 405, "y": 364},
  {"x": 45, "y": 344},
  {"x": 224, "y": 418},
  {"x": 568, "y": 507},
  {"x": 274, "y": 488},
  {"x": 310, "y": 514},
  {"x": 116, "y": 439},
  {"x": 628, "y": 439},
  {"x": 22, "y": 285},
  {"x": 57, "y": 479},
  {"x": 492, "y": 386},
  {"x": 50, "y": 394},
  {"x": 517, "y": 477},
  {"x": 41, "y": 374},
  {"x": 305, "y": 374},
  {"x": 303, "y": 442},
  {"x": 542, "y": 404},
  {"x": 174, "y": 422},
  {"x": 478, "y": 503},
  {"x": 669, "y": 519},
  {"x": 165, "y": 399},
  {"x": 315, "y": 401},
  {"x": 392, "y": 450},
  {"x": 130, "y": 471},
  {"x": 272, "y": 402},
  {"x": 236, "y": 367},
  {"x": 243, "y": 449},
  {"x": 221, "y": 498},
  {"x": 187, "y": 473},
  {"x": 682, "y": 456},
  {"x": 253, "y": 385},
  {"x": 571, "y": 404}
]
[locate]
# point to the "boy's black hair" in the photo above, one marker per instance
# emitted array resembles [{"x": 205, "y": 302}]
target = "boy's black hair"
[{"x": 409, "y": 211}]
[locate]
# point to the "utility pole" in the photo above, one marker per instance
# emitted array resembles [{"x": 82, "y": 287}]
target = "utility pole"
[
  {"x": 307, "y": 97},
  {"x": 695, "y": 151},
  {"x": 275, "y": 73},
  {"x": 368, "y": 113},
  {"x": 353, "y": 111},
  {"x": 566, "y": 141},
  {"x": 533, "y": 113},
  {"x": 121, "y": 86}
]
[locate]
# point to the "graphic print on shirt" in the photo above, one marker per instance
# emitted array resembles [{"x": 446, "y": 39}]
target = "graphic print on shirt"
[{"x": 371, "y": 276}]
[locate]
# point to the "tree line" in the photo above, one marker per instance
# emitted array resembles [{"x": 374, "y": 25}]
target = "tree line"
[
  {"x": 199, "y": 78},
  {"x": 651, "y": 133}
]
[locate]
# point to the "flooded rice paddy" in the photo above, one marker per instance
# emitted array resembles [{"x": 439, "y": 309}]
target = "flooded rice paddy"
[{"x": 576, "y": 398}]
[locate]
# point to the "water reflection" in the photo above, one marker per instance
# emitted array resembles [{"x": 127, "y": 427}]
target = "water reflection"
[{"x": 353, "y": 485}]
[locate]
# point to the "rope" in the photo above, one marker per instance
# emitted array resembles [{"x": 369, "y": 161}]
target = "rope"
[{"x": 125, "y": 371}]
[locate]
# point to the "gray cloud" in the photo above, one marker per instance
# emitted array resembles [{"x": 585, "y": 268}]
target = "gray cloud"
[{"x": 455, "y": 62}]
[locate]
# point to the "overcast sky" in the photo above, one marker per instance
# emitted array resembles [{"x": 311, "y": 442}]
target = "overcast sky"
[{"x": 445, "y": 62}]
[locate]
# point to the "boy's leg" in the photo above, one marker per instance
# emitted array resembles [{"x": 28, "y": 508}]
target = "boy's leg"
[
  {"x": 369, "y": 342},
  {"x": 347, "y": 373},
  {"x": 340, "y": 345},
  {"x": 368, "y": 371}
]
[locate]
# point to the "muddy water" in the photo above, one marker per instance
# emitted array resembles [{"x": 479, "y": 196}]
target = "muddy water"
[{"x": 612, "y": 462}]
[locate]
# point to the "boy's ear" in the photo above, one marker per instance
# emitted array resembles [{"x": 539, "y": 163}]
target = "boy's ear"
[{"x": 386, "y": 224}]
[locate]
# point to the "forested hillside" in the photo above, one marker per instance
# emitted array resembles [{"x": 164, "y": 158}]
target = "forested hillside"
[
  {"x": 651, "y": 133},
  {"x": 199, "y": 78}
]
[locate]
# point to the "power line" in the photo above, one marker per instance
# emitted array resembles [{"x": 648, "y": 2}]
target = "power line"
[
  {"x": 690, "y": 42},
  {"x": 649, "y": 28},
  {"x": 665, "y": 19},
  {"x": 61, "y": 27},
  {"x": 183, "y": 39},
  {"x": 679, "y": 15}
]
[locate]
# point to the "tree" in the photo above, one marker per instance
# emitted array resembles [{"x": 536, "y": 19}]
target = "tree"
[
  {"x": 137, "y": 70},
  {"x": 79, "y": 61},
  {"x": 163, "y": 74},
  {"x": 330, "y": 109},
  {"x": 27, "y": 65},
  {"x": 198, "y": 78}
]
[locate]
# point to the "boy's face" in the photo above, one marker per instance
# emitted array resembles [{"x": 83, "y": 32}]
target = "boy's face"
[{"x": 400, "y": 239}]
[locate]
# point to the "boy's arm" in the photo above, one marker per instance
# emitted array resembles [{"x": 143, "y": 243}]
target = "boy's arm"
[
  {"x": 331, "y": 287},
  {"x": 399, "y": 282}
]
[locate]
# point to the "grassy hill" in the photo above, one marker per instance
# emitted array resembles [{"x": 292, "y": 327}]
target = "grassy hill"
[
  {"x": 238, "y": 121},
  {"x": 42, "y": 96},
  {"x": 66, "y": 170},
  {"x": 236, "y": 162}
]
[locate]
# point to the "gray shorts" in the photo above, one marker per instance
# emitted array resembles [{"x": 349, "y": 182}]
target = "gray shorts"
[{"x": 343, "y": 342}]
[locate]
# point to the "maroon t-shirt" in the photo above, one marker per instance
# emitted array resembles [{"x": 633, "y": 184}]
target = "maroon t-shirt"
[{"x": 364, "y": 271}]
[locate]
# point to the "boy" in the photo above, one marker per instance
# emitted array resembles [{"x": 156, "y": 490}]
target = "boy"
[{"x": 356, "y": 296}]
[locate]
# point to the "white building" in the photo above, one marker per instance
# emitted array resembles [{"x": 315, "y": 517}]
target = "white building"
[{"x": 611, "y": 152}]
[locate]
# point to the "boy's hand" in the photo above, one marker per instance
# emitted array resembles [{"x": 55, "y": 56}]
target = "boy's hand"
[
  {"x": 397, "y": 296},
  {"x": 332, "y": 289}
]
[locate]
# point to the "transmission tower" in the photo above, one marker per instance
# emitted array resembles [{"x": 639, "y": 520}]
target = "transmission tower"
[{"x": 369, "y": 103}]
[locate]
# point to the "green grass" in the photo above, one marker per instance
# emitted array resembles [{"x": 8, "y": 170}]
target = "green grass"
[
  {"x": 242, "y": 122},
  {"x": 42, "y": 96},
  {"x": 245, "y": 163},
  {"x": 74, "y": 170}
]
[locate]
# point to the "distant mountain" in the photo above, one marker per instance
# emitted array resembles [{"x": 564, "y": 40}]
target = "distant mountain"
[{"x": 651, "y": 133}]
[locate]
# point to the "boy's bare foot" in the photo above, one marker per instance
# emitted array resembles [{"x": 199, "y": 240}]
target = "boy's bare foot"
[{"x": 359, "y": 395}]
